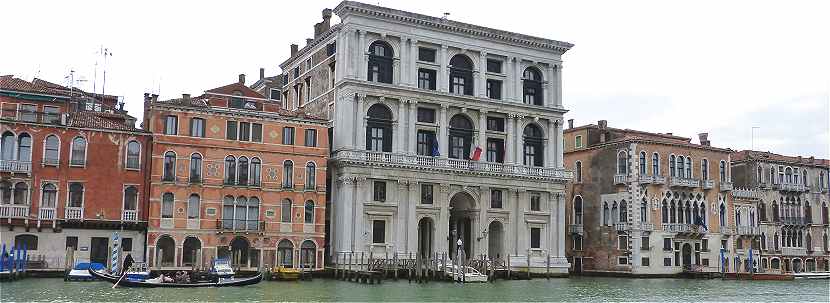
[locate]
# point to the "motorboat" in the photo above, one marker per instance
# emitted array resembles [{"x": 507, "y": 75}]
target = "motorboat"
[
  {"x": 812, "y": 275},
  {"x": 159, "y": 282},
  {"x": 470, "y": 275},
  {"x": 282, "y": 273},
  {"x": 80, "y": 272}
]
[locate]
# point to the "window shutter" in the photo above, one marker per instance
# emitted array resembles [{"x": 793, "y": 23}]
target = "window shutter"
[{"x": 387, "y": 139}]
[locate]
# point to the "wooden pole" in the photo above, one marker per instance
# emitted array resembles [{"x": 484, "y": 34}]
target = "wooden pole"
[
  {"x": 508, "y": 266},
  {"x": 547, "y": 267},
  {"x": 528, "y": 264}
]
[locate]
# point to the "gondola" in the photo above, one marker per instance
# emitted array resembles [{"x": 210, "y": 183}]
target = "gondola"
[{"x": 221, "y": 283}]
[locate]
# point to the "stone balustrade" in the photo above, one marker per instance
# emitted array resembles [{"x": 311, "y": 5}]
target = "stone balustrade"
[
  {"x": 14, "y": 166},
  {"x": 14, "y": 211},
  {"x": 684, "y": 182}
]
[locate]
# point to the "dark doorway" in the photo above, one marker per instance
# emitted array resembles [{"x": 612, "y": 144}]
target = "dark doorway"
[
  {"x": 239, "y": 252},
  {"x": 98, "y": 250},
  {"x": 425, "y": 235},
  {"x": 577, "y": 265},
  {"x": 687, "y": 255}
]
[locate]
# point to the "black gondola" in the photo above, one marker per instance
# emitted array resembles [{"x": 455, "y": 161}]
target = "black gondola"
[{"x": 221, "y": 283}]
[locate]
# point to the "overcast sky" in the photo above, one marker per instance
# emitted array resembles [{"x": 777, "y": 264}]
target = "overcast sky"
[{"x": 720, "y": 67}]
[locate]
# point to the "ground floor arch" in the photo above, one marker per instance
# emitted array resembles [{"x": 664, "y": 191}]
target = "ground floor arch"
[
  {"x": 426, "y": 236},
  {"x": 191, "y": 251},
  {"x": 495, "y": 240},
  {"x": 285, "y": 253},
  {"x": 166, "y": 251},
  {"x": 308, "y": 254},
  {"x": 462, "y": 216},
  {"x": 239, "y": 251},
  {"x": 687, "y": 255}
]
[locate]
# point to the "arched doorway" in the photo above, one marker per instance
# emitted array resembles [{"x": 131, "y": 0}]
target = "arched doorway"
[
  {"x": 495, "y": 240},
  {"x": 687, "y": 255},
  {"x": 797, "y": 265},
  {"x": 426, "y": 234},
  {"x": 190, "y": 251},
  {"x": 461, "y": 219},
  {"x": 165, "y": 247},
  {"x": 308, "y": 254},
  {"x": 285, "y": 253},
  {"x": 239, "y": 252}
]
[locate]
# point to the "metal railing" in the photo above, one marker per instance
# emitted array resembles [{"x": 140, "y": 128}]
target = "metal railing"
[
  {"x": 644, "y": 226},
  {"x": 708, "y": 184},
  {"x": 728, "y": 230},
  {"x": 575, "y": 229},
  {"x": 646, "y": 179},
  {"x": 14, "y": 211},
  {"x": 457, "y": 165},
  {"x": 726, "y": 186},
  {"x": 129, "y": 215},
  {"x": 683, "y": 228},
  {"x": 684, "y": 182},
  {"x": 790, "y": 187},
  {"x": 46, "y": 213},
  {"x": 746, "y": 193},
  {"x": 793, "y": 251},
  {"x": 621, "y": 226},
  {"x": 74, "y": 213},
  {"x": 15, "y": 166},
  {"x": 793, "y": 220}
]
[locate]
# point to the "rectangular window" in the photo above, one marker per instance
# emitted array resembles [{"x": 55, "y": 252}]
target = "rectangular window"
[
  {"x": 426, "y": 115},
  {"x": 426, "y": 194},
  {"x": 493, "y": 66},
  {"x": 307, "y": 90},
  {"x": 72, "y": 241},
  {"x": 494, "y": 89},
  {"x": 666, "y": 261},
  {"x": 667, "y": 244},
  {"x": 578, "y": 142},
  {"x": 236, "y": 102},
  {"x": 171, "y": 125},
  {"x": 426, "y": 79},
  {"x": 331, "y": 48},
  {"x": 495, "y": 150},
  {"x": 622, "y": 260},
  {"x": 311, "y": 137},
  {"x": 704, "y": 261},
  {"x": 379, "y": 231},
  {"x": 426, "y": 143},
  {"x": 379, "y": 193},
  {"x": 274, "y": 94},
  {"x": 623, "y": 243},
  {"x": 644, "y": 245},
  {"x": 28, "y": 112},
  {"x": 244, "y": 131},
  {"x": 426, "y": 54},
  {"x": 495, "y": 199},
  {"x": 577, "y": 242},
  {"x": 197, "y": 127},
  {"x": 127, "y": 244},
  {"x": 231, "y": 131},
  {"x": 535, "y": 237},
  {"x": 645, "y": 262},
  {"x": 535, "y": 202},
  {"x": 723, "y": 245},
  {"x": 495, "y": 124},
  {"x": 296, "y": 72},
  {"x": 256, "y": 132},
  {"x": 51, "y": 114},
  {"x": 288, "y": 135},
  {"x": 705, "y": 243}
]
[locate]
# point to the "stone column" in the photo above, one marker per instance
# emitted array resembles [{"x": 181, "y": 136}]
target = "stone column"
[
  {"x": 411, "y": 217},
  {"x": 358, "y": 215},
  {"x": 507, "y": 92},
  {"x": 508, "y": 144},
  {"x": 519, "y": 140},
  {"x": 523, "y": 234},
  {"x": 482, "y": 74},
  {"x": 482, "y": 132},
  {"x": 560, "y": 224},
  {"x": 413, "y": 65},
  {"x": 402, "y": 224},
  {"x": 413, "y": 130},
  {"x": 397, "y": 72},
  {"x": 511, "y": 202},
  {"x": 558, "y": 71},
  {"x": 554, "y": 227},
  {"x": 360, "y": 123},
  {"x": 560, "y": 161},
  {"x": 553, "y": 146},
  {"x": 443, "y": 223},
  {"x": 484, "y": 205},
  {"x": 443, "y": 131},
  {"x": 344, "y": 240},
  {"x": 363, "y": 55},
  {"x": 549, "y": 87},
  {"x": 518, "y": 85},
  {"x": 401, "y": 126},
  {"x": 443, "y": 72}
]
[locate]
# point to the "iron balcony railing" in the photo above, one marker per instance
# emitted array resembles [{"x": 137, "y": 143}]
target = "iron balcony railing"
[
  {"x": 621, "y": 226},
  {"x": 746, "y": 193},
  {"x": 749, "y": 230},
  {"x": 447, "y": 164},
  {"x": 129, "y": 215},
  {"x": 620, "y": 179},
  {"x": 793, "y": 220},
  {"x": 575, "y": 229},
  {"x": 646, "y": 179},
  {"x": 659, "y": 180},
  {"x": 790, "y": 187},
  {"x": 793, "y": 251},
  {"x": 644, "y": 226},
  {"x": 15, "y": 166},
  {"x": 240, "y": 225},
  {"x": 728, "y": 230},
  {"x": 683, "y": 228}
]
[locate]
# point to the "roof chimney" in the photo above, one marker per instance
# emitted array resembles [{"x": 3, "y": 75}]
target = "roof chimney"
[
  {"x": 147, "y": 97},
  {"x": 155, "y": 97},
  {"x": 603, "y": 124},
  {"x": 185, "y": 96},
  {"x": 294, "y": 49},
  {"x": 261, "y": 73},
  {"x": 570, "y": 123},
  {"x": 242, "y": 79},
  {"x": 670, "y": 134},
  {"x": 308, "y": 41},
  {"x": 704, "y": 139}
]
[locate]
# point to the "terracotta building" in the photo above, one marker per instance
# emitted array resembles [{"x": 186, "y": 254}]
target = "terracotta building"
[
  {"x": 785, "y": 211},
  {"x": 235, "y": 176},
  {"x": 645, "y": 203},
  {"x": 72, "y": 172}
]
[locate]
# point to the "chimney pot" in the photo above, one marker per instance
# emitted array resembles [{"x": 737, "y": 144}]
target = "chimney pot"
[
  {"x": 242, "y": 79},
  {"x": 294, "y": 49},
  {"x": 261, "y": 73},
  {"x": 308, "y": 41},
  {"x": 704, "y": 138},
  {"x": 570, "y": 123},
  {"x": 155, "y": 97},
  {"x": 603, "y": 124},
  {"x": 186, "y": 96}
]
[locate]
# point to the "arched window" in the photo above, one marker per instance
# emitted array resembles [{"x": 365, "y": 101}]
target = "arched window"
[
  {"x": 655, "y": 164},
  {"x": 130, "y": 198},
  {"x": 578, "y": 210},
  {"x": 50, "y": 196},
  {"x": 461, "y": 75},
  {"x": 133, "y": 155},
  {"x": 622, "y": 163},
  {"x": 533, "y": 147},
  {"x": 78, "y": 155},
  {"x": 772, "y": 174},
  {"x": 704, "y": 169},
  {"x": 379, "y": 128},
  {"x": 680, "y": 212},
  {"x": 623, "y": 212},
  {"x": 167, "y": 205},
  {"x": 308, "y": 254},
  {"x": 24, "y": 147},
  {"x": 195, "y": 168},
  {"x": 169, "y": 173},
  {"x": 285, "y": 253},
  {"x": 673, "y": 212},
  {"x": 76, "y": 194},
  {"x": 762, "y": 211},
  {"x": 760, "y": 175},
  {"x": 460, "y": 137},
  {"x": 775, "y": 241},
  {"x": 227, "y": 212},
  {"x": 309, "y": 212},
  {"x": 722, "y": 214},
  {"x": 688, "y": 213},
  {"x": 7, "y": 146},
  {"x": 253, "y": 213},
  {"x": 256, "y": 172},
  {"x": 193, "y": 208},
  {"x": 532, "y": 86},
  {"x": 614, "y": 213},
  {"x": 230, "y": 170},
  {"x": 763, "y": 241},
  {"x": 664, "y": 213},
  {"x": 804, "y": 178},
  {"x": 722, "y": 171},
  {"x": 826, "y": 243},
  {"x": 796, "y": 177},
  {"x": 21, "y": 193},
  {"x": 288, "y": 174},
  {"x": 672, "y": 166},
  {"x": 310, "y": 175},
  {"x": 702, "y": 213},
  {"x": 578, "y": 169},
  {"x": 788, "y": 174},
  {"x": 775, "y": 213},
  {"x": 644, "y": 211},
  {"x": 240, "y": 212},
  {"x": 51, "y": 150},
  {"x": 242, "y": 171},
  {"x": 808, "y": 212},
  {"x": 821, "y": 183},
  {"x": 824, "y": 219},
  {"x": 380, "y": 62},
  {"x": 681, "y": 167},
  {"x": 808, "y": 241},
  {"x": 285, "y": 211},
  {"x": 643, "y": 164},
  {"x": 688, "y": 167},
  {"x": 605, "y": 213}
]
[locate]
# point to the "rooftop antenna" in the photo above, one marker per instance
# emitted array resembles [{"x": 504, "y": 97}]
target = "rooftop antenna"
[
  {"x": 446, "y": 15},
  {"x": 106, "y": 53}
]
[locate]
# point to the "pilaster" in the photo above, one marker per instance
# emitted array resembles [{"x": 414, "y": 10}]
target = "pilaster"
[{"x": 443, "y": 132}]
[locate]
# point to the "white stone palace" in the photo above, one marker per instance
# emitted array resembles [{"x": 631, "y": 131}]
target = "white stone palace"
[{"x": 441, "y": 130}]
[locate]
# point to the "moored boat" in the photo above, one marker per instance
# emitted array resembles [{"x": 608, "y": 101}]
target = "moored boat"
[
  {"x": 812, "y": 275},
  {"x": 80, "y": 272},
  {"x": 218, "y": 282},
  {"x": 285, "y": 274}
]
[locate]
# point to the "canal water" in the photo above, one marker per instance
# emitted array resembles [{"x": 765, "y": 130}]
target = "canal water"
[{"x": 587, "y": 289}]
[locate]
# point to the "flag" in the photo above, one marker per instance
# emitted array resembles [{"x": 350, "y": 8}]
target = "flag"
[
  {"x": 476, "y": 154},
  {"x": 435, "y": 151},
  {"x": 721, "y": 261},
  {"x": 749, "y": 260}
]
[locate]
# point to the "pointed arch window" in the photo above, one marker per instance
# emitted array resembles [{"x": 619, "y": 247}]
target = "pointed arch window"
[
  {"x": 623, "y": 212},
  {"x": 242, "y": 171},
  {"x": 578, "y": 210},
  {"x": 664, "y": 212},
  {"x": 255, "y": 172},
  {"x": 672, "y": 166},
  {"x": 195, "y": 168},
  {"x": 380, "y": 62},
  {"x": 622, "y": 163},
  {"x": 704, "y": 169},
  {"x": 722, "y": 214},
  {"x": 605, "y": 213},
  {"x": 379, "y": 128},
  {"x": 533, "y": 148},
  {"x": 578, "y": 169},
  {"x": 644, "y": 211},
  {"x": 169, "y": 173},
  {"x": 760, "y": 175},
  {"x": 310, "y": 176},
  {"x": 461, "y": 75},
  {"x": 655, "y": 164}
]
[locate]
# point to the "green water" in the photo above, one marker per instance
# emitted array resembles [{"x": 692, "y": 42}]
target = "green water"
[{"x": 573, "y": 289}]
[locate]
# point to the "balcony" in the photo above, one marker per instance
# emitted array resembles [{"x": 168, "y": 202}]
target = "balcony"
[
  {"x": 46, "y": 214},
  {"x": 646, "y": 179},
  {"x": 620, "y": 179},
  {"x": 575, "y": 229},
  {"x": 684, "y": 182},
  {"x": 14, "y": 166},
  {"x": 728, "y": 230},
  {"x": 725, "y": 186},
  {"x": 12, "y": 211},
  {"x": 129, "y": 215},
  {"x": 74, "y": 213},
  {"x": 793, "y": 221},
  {"x": 683, "y": 228},
  {"x": 240, "y": 225},
  {"x": 621, "y": 226},
  {"x": 790, "y": 187},
  {"x": 749, "y": 230},
  {"x": 393, "y": 160},
  {"x": 659, "y": 180},
  {"x": 644, "y": 226},
  {"x": 793, "y": 251},
  {"x": 746, "y": 193},
  {"x": 708, "y": 184}
]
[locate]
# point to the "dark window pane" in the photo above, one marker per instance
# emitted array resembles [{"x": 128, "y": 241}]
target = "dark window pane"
[
  {"x": 378, "y": 231},
  {"x": 426, "y": 115},
  {"x": 288, "y": 135},
  {"x": 493, "y": 66},
  {"x": 231, "y": 131},
  {"x": 379, "y": 191},
  {"x": 311, "y": 137},
  {"x": 494, "y": 89},
  {"x": 535, "y": 237},
  {"x": 426, "y": 194},
  {"x": 495, "y": 124},
  {"x": 426, "y": 78},
  {"x": 244, "y": 131},
  {"x": 256, "y": 132},
  {"x": 426, "y": 54}
]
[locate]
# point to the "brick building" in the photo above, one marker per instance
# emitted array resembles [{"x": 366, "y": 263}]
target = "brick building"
[
  {"x": 235, "y": 176},
  {"x": 786, "y": 209},
  {"x": 645, "y": 203},
  {"x": 72, "y": 172}
]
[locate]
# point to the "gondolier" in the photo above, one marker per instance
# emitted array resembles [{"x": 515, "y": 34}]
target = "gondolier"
[{"x": 128, "y": 261}]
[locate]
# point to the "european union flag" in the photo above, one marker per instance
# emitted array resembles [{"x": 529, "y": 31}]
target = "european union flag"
[{"x": 435, "y": 152}]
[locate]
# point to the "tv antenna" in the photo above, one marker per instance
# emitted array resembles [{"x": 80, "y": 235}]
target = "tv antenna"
[{"x": 446, "y": 15}]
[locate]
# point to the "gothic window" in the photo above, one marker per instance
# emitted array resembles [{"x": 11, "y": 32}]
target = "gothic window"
[
  {"x": 643, "y": 164},
  {"x": 655, "y": 164},
  {"x": 704, "y": 169},
  {"x": 672, "y": 166},
  {"x": 169, "y": 173},
  {"x": 577, "y": 210},
  {"x": 622, "y": 163},
  {"x": 230, "y": 170},
  {"x": 195, "y": 168}
]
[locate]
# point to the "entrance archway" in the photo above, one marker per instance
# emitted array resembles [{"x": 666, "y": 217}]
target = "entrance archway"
[
  {"x": 461, "y": 217},
  {"x": 190, "y": 251},
  {"x": 425, "y": 237},
  {"x": 687, "y": 255},
  {"x": 239, "y": 252},
  {"x": 495, "y": 240},
  {"x": 797, "y": 265},
  {"x": 165, "y": 247}
]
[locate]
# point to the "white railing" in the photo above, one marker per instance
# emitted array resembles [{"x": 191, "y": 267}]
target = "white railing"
[
  {"x": 46, "y": 213},
  {"x": 575, "y": 229},
  {"x": 129, "y": 215},
  {"x": 746, "y": 193},
  {"x": 74, "y": 213},
  {"x": 621, "y": 226},
  {"x": 646, "y": 179},
  {"x": 749, "y": 230},
  {"x": 728, "y": 230},
  {"x": 793, "y": 251},
  {"x": 684, "y": 182},
  {"x": 659, "y": 180},
  {"x": 620, "y": 178},
  {"x": 15, "y": 166},
  {"x": 682, "y": 228},
  {"x": 14, "y": 211},
  {"x": 644, "y": 226},
  {"x": 792, "y": 187},
  {"x": 708, "y": 184},
  {"x": 457, "y": 165},
  {"x": 726, "y": 186}
]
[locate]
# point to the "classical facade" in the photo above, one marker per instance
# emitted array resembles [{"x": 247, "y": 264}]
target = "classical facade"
[
  {"x": 72, "y": 171},
  {"x": 644, "y": 203},
  {"x": 235, "y": 176},
  {"x": 442, "y": 131},
  {"x": 786, "y": 210}
]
